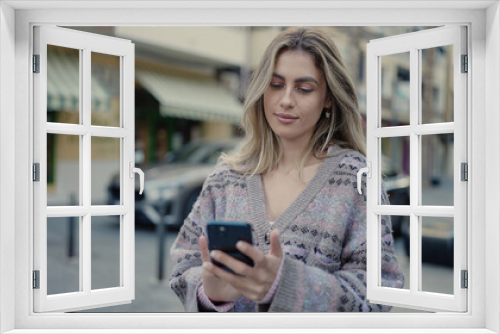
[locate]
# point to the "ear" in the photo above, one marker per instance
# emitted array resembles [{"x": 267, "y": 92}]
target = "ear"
[{"x": 328, "y": 102}]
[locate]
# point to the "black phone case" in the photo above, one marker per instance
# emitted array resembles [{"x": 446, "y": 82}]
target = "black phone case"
[{"x": 224, "y": 236}]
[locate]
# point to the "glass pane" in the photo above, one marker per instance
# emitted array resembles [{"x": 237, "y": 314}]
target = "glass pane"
[
  {"x": 105, "y": 252},
  {"x": 105, "y": 170},
  {"x": 437, "y": 169},
  {"x": 395, "y": 89},
  {"x": 396, "y": 169},
  {"x": 392, "y": 248},
  {"x": 63, "y": 169},
  {"x": 105, "y": 89},
  {"x": 437, "y": 85},
  {"x": 63, "y": 85},
  {"x": 63, "y": 265},
  {"x": 437, "y": 254}
]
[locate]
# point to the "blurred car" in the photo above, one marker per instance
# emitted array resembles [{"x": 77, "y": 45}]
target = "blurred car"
[
  {"x": 436, "y": 232},
  {"x": 397, "y": 185},
  {"x": 437, "y": 240},
  {"x": 172, "y": 187}
]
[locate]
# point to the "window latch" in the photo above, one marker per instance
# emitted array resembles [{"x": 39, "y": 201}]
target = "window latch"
[
  {"x": 364, "y": 170},
  {"x": 141, "y": 175}
]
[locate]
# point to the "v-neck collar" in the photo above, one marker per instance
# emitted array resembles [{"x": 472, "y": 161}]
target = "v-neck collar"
[{"x": 257, "y": 200}]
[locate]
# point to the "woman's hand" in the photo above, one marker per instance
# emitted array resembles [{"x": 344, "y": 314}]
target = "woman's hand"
[
  {"x": 215, "y": 288},
  {"x": 253, "y": 282}
]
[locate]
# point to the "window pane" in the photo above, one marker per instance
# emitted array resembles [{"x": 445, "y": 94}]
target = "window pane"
[
  {"x": 396, "y": 169},
  {"x": 105, "y": 252},
  {"x": 399, "y": 246},
  {"x": 437, "y": 169},
  {"x": 105, "y": 170},
  {"x": 437, "y": 85},
  {"x": 63, "y": 264},
  {"x": 437, "y": 254},
  {"x": 105, "y": 89},
  {"x": 63, "y": 84},
  {"x": 395, "y": 89},
  {"x": 63, "y": 169}
]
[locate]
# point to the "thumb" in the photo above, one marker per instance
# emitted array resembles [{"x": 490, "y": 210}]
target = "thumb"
[
  {"x": 205, "y": 254},
  {"x": 275, "y": 244}
]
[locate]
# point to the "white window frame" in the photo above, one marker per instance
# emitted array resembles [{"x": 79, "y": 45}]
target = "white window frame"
[
  {"x": 412, "y": 44},
  {"x": 483, "y": 21},
  {"x": 86, "y": 44}
]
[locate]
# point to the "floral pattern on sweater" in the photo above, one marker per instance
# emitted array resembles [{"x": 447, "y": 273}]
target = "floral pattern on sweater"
[{"x": 323, "y": 236}]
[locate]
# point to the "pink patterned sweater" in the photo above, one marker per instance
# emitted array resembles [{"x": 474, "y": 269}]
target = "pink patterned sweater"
[{"x": 323, "y": 236}]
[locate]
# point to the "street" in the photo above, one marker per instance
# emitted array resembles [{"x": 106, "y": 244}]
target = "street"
[{"x": 152, "y": 295}]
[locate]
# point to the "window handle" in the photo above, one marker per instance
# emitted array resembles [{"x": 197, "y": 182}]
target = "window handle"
[
  {"x": 365, "y": 170},
  {"x": 141, "y": 176}
]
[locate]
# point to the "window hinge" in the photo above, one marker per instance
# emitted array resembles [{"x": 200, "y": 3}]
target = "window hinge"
[
  {"x": 36, "y": 172},
  {"x": 36, "y": 63},
  {"x": 465, "y": 279},
  {"x": 464, "y": 171},
  {"x": 36, "y": 279},
  {"x": 465, "y": 64}
]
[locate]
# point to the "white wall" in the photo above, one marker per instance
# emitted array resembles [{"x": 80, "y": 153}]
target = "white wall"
[
  {"x": 7, "y": 160},
  {"x": 67, "y": 182},
  {"x": 492, "y": 157},
  {"x": 179, "y": 321},
  {"x": 206, "y": 42}
]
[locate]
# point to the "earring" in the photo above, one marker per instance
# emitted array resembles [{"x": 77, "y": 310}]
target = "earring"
[{"x": 327, "y": 112}]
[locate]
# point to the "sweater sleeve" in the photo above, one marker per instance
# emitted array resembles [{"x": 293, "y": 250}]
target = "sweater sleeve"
[
  {"x": 308, "y": 288},
  {"x": 185, "y": 252}
]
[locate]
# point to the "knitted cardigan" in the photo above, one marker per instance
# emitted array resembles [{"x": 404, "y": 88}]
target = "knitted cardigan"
[{"x": 322, "y": 233}]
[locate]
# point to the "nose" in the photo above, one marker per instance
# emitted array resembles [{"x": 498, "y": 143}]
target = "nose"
[{"x": 287, "y": 100}]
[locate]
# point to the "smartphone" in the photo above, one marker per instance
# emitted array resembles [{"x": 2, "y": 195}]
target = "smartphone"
[{"x": 223, "y": 236}]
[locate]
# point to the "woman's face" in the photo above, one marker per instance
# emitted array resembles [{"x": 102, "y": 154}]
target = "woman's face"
[{"x": 295, "y": 98}]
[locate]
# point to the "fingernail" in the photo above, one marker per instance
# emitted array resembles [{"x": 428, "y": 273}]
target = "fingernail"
[
  {"x": 240, "y": 245},
  {"x": 214, "y": 254},
  {"x": 207, "y": 265}
]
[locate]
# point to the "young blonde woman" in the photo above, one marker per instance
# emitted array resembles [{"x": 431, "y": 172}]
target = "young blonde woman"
[{"x": 294, "y": 181}]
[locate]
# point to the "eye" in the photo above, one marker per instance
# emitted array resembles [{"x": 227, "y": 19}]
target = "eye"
[
  {"x": 305, "y": 90},
  {"x": 275, "y": 84}
]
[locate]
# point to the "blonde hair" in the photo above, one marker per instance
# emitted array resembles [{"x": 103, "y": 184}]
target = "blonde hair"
[{"x": 261, "y": 148}]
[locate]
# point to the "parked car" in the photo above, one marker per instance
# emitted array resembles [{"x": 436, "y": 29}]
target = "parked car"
[
  {"x": 397, "y": 185},
  {"x": 172, "y": 187},
  {"x": 436, "y": 233},
  {"x": 437, "y": 240}
]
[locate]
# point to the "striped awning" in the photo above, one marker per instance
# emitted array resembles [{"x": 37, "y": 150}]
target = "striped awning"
[
  {"x": 189, "y": 96},
  {"x": 63, "y": 85}
]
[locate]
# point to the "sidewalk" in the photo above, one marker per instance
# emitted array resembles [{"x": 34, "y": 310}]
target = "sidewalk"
[
  {"x": 440, "y": 195},
  {"x": 150, "y": 294}
]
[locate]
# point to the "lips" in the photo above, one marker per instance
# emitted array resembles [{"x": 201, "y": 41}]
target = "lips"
[{"x": 286, "y": 118}]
